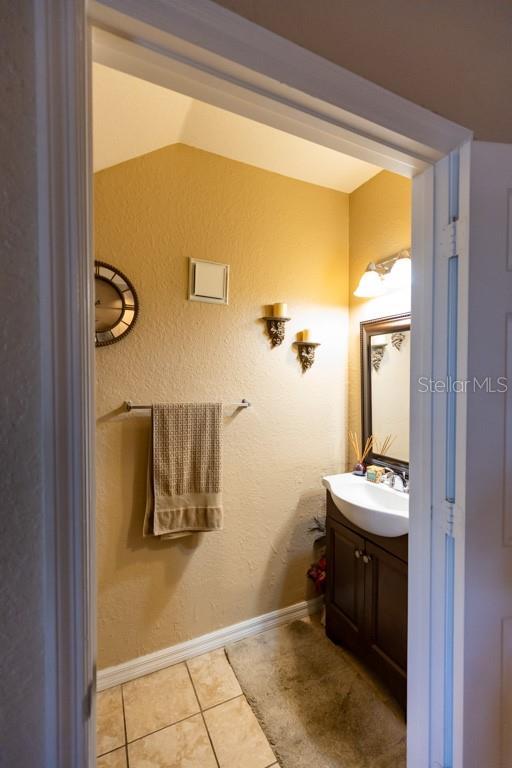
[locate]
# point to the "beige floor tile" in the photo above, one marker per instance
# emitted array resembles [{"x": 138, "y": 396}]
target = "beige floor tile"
[
  {"x": 184, "y": 745},
  {"x": 237, "y": 736},
  {"x": 213, "y": 678},
  {"x": 116, "y": 759},
  {"x": 109, "y": 720},
  {"x": 157, "y": 700}
]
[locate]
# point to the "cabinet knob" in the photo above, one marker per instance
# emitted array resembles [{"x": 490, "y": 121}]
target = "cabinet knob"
[
  {"x": 357, "y": 553},
  {"x": 366, "y": 558}
]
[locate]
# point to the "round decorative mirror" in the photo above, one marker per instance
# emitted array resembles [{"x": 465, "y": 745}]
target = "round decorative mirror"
[{"x": 116, "y": 304}]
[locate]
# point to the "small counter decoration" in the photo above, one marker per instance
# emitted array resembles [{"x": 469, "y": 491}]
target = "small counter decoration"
[
  {"x": 374, "y": 445},
  {"x": 361, "y": 455},
  {"x": 306, "y": 350},
  {"x": 276, "y": 323}
]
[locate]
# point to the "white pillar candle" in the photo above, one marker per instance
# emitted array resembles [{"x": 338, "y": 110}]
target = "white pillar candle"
[
  {"x": 306, "y": 335},
  {"x": 280, "y": 310}
]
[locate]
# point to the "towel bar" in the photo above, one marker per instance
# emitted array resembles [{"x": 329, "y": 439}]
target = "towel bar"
[{"x": 131, "y": 407}]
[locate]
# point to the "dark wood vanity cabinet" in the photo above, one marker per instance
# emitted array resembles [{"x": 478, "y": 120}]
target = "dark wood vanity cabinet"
[{"x": 366, "y": 598}]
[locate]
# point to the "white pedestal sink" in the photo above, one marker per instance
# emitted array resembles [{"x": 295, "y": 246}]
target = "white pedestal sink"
[{"x": 374, "y": 507}]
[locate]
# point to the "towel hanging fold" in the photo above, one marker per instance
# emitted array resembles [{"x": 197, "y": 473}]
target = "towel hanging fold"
[{"x": 184, "y": 492}]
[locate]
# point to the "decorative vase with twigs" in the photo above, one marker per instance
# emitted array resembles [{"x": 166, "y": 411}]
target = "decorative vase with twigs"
[{"x": 360, "y": 453}]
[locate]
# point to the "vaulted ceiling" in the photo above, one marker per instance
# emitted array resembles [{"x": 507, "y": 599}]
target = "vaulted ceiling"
[{"x": 132, "y": 117}]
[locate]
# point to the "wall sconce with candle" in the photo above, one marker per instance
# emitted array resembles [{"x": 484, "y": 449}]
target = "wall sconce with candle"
[
  {"x": 276, "y": 323},
  {"x": 306, "y": 349},
  {"x": 390, "y": 274}
]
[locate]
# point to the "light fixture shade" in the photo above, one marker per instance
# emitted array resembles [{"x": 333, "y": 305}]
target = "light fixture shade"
[
  {"x": 400, "y": 275},
  {"x": 370, "y": 284}
]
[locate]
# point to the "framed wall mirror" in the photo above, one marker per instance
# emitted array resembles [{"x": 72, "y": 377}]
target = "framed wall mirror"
[{"x": 385, "y": 388}]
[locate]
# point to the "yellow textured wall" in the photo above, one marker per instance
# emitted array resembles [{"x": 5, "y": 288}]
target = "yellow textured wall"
[
  {"x": 380, "y": 225},
  {"x": 454, "y": 58},
  {"x": 285, "y": 241}
]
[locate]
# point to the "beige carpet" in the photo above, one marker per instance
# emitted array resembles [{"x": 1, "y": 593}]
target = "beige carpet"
[{"x": 316, "y": 705}]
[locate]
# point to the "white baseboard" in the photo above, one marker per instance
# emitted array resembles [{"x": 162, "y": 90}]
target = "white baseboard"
[{"x": 152, "y": 662}]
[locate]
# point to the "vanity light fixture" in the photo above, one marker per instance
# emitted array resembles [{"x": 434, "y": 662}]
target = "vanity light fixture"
[
  {"x": 371, "y": 283},
  {"x": 390, "y": 274},
  {"x": 400, "y": 273}
]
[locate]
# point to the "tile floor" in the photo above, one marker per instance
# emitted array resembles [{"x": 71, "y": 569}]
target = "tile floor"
[{"x": 191, "y": 715}]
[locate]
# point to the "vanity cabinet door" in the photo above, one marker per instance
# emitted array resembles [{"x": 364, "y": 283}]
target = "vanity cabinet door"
[
  {"x": 386, "y": 617},
  {"x": 345, "y": 586}
]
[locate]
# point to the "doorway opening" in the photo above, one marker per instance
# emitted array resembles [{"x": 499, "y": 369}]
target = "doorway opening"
[{"x": 181, "y": 185}]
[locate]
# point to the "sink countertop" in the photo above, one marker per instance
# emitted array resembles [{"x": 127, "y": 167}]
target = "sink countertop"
[{"x": 374, "y": 507}]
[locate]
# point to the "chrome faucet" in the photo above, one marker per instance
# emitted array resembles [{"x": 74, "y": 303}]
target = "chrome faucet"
[{"x": 391, "y": 476}]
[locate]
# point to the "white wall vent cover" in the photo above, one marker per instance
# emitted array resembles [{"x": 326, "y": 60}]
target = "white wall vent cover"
[{"x": 208, "y": 281}]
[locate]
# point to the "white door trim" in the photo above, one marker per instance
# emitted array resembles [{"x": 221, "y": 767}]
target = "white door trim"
[
  {"x": 226, "y": 52},
  {"x": 66, "y": 379},
  {"x": 419, "y": 613}
]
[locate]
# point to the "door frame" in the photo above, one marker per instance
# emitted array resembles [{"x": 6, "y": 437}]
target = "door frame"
[{"x": 243, "y": 67}]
